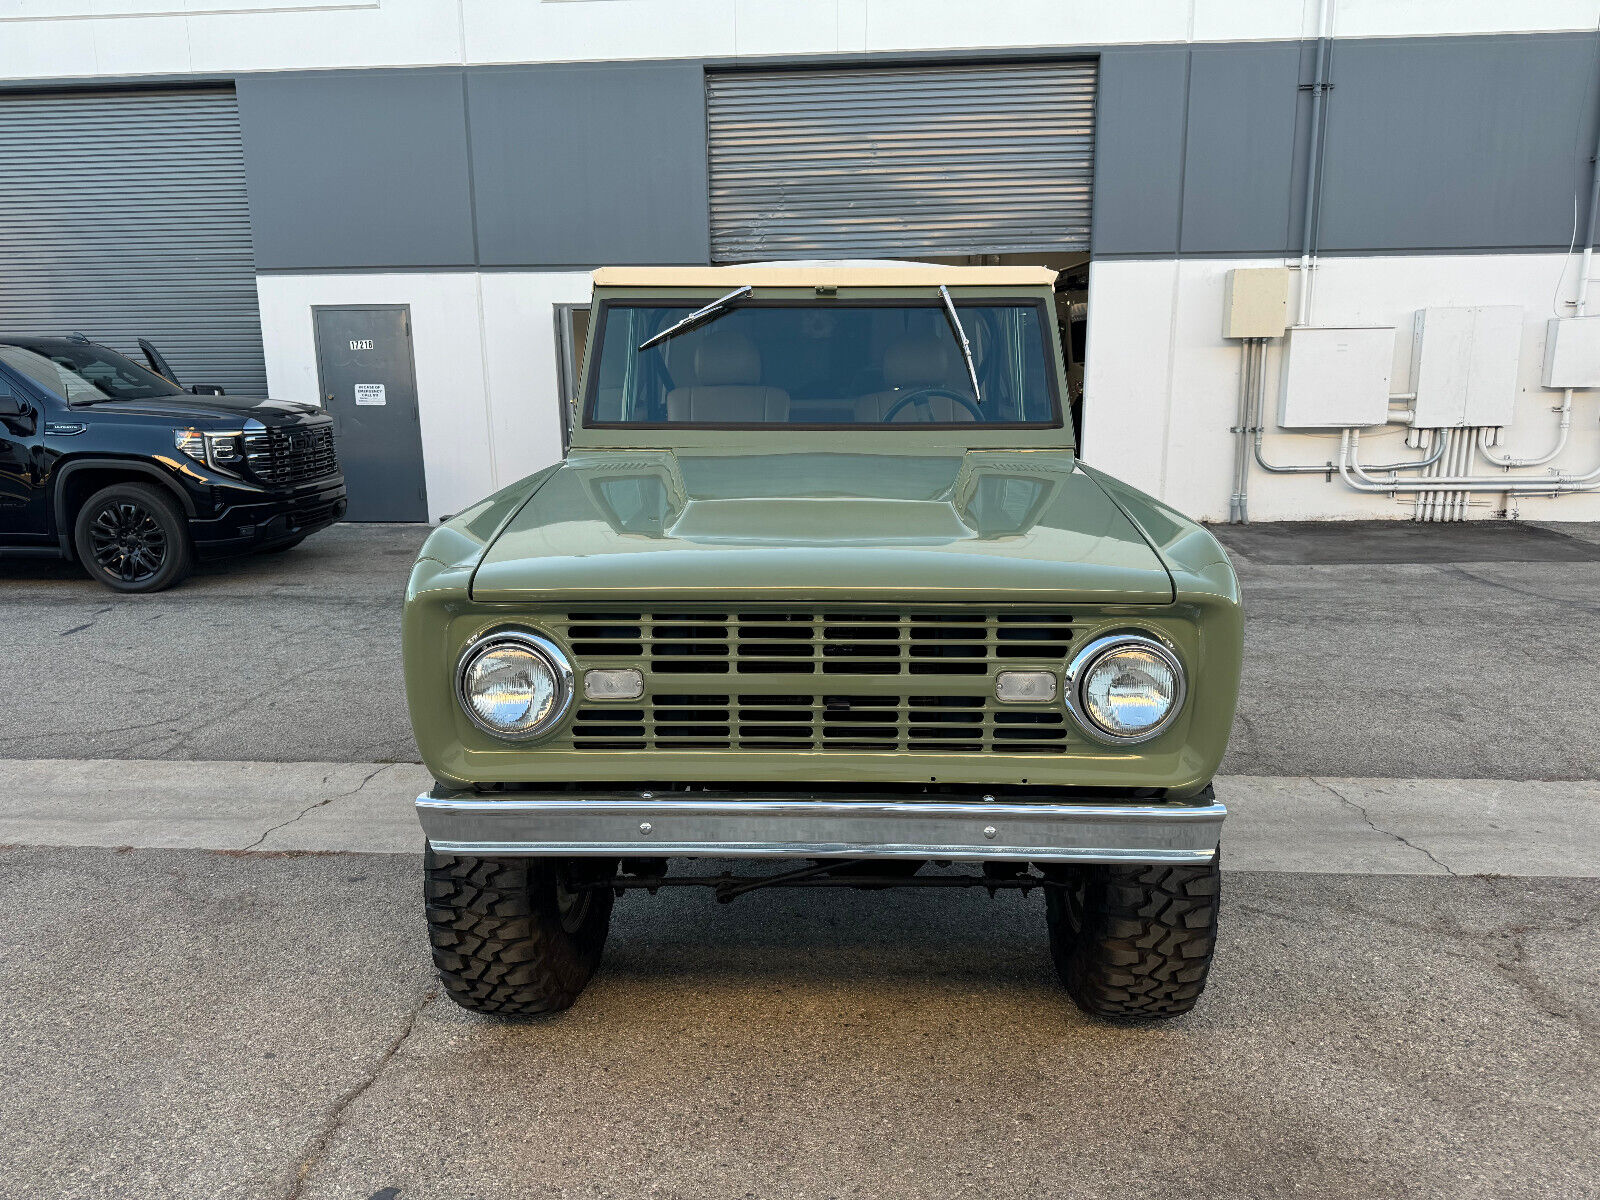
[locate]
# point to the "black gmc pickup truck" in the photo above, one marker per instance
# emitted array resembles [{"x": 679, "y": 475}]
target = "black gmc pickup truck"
[{"x": 117, "y": 466}]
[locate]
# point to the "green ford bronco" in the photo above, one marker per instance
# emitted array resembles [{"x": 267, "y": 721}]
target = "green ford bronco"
[{"x": 822, "y": 581}]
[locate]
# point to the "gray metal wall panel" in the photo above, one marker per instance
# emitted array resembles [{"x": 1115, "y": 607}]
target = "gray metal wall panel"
[
  {"x": 1139, "y": 150},
  {"x": 588, "y": 165},
  {"x": 951, "y": 159},
  {"x": 1238, "y": 169},
  {"x": 1457, "y": 143},
  {"x": 1434, "y": 143},
  {"x": 358, "y": 169},
  {"x": 123, "y": 215}
]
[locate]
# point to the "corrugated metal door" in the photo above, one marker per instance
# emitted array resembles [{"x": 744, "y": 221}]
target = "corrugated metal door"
[
  {"x": 123, "y": 215},
  {"x": 937, "y": 161}
]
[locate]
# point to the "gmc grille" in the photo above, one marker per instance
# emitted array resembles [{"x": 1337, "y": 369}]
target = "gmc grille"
[
  {"x": 780, "y": 680},
  {"x": 292, "y": 455}
]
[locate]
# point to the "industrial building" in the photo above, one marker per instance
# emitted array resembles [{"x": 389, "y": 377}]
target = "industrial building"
[{"x": 1321, "y": 259}]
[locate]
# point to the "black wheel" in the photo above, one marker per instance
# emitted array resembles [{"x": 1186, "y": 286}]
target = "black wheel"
[
  {"x": 512, "y": 936},
  {"x": 281, "y": 547},
  {"x": 132, "y": 538},
  {"x": 1134, "y": 941}
]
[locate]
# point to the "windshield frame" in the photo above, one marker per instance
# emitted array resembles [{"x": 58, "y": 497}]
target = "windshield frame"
[{"x": 1057, "y": 428}]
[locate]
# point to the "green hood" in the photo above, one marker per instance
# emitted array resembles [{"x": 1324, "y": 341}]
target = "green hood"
[{"x": 991, "y": 525}]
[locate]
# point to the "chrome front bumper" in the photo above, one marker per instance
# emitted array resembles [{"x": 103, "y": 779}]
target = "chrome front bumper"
[{"x": 765, "y": 826}]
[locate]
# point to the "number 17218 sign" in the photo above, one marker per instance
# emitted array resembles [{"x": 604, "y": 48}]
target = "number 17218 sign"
[{"x": 370, "y": 393}]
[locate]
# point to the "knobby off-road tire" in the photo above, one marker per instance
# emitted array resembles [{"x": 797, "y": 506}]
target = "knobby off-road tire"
[
  {"x": 1134, "y": 941},
  {"x": 508, "y": 937}
]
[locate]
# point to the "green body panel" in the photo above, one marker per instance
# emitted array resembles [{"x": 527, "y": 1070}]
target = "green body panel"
[
  {"x": 736, "y": 523},
  {"x": 993, "y": 526}
]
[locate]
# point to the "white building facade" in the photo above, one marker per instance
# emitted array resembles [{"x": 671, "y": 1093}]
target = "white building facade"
[{"x": 216, "y": 172}]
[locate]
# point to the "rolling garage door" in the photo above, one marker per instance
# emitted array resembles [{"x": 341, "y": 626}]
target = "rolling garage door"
[
  {"x": 123, "y": 215},
  {"x": 935, "y": 161}
]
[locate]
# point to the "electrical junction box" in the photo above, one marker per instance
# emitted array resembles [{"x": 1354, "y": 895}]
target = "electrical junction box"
[
  {"x": 1337, "y": 378},
  {"x": 1255, "y": 302},
  {"x": 1572, "y": 352},
  {"x": 1466, "y": 365}
]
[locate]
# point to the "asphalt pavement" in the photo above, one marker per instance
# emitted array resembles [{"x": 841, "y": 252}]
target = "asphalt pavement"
[
  {"x": 192, "y": 1024},
  {"x": 1470, "y": 668}
]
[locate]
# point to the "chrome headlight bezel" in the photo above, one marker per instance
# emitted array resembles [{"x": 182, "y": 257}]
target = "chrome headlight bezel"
[
  {"x": 1083, "y": 664},
  {"x": 560, "y": 668}
]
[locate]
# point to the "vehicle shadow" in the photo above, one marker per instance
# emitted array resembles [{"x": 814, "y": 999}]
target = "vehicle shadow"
[{"x": 943, "y": 937}]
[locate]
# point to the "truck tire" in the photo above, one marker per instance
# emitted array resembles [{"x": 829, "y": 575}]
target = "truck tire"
[
  {"x": 132, "y": 537},
  {"x": 1134, "y": 941},
  {"x": 508, "y": 938}
]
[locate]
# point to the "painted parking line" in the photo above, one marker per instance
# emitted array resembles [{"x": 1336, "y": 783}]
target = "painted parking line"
[{"x": 1275, "y": 823}]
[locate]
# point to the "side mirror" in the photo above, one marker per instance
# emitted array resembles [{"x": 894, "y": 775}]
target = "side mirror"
[
  {"x": 10, "y": 406},
  {"x": 206, "y": 389}
]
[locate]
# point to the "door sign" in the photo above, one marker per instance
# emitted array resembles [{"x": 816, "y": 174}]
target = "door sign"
[{"x": 371, "y": 393}]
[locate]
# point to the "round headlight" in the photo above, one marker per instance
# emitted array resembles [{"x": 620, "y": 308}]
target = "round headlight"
[
  {"x": 514, "y": 684},
  {"x": 1126, "y": 688}
]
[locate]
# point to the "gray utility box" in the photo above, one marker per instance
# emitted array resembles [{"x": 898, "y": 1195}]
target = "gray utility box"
[
  {"x": 1572, "y": 352},
  {"x": 1337, "y": 378},
  {"x": 1466, "y": 366}
]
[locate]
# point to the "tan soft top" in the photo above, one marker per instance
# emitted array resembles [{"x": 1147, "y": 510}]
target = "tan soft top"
[{"x": 845, "y": 273}]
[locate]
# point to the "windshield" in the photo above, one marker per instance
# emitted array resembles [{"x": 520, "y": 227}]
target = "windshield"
[
  {"x": 828, "y": 364},
  {"x": 80, "y": 372}
]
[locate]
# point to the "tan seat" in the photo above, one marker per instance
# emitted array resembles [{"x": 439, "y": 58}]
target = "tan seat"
[
  {"x": 909, "y": 365},
  {"x": 727, "y": 386}
]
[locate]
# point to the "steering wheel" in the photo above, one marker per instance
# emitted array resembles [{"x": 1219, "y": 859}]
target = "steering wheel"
[{"x": 923, "y": 395}]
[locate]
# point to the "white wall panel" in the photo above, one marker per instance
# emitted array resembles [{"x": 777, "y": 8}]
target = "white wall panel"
[
  {"x": 1128, "y": 370},
  {"x": 520, "y": 350},
  {"x": 84, "y": 38},
  {"x": 509, "y": 31},
  {"x": 198, "y": 37},
  {"x": 486, "y": 388},
  {"x": 1161, "y": 389}
]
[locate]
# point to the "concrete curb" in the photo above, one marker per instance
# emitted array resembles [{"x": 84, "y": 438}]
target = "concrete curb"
[{"x": 1294, "y": 824}]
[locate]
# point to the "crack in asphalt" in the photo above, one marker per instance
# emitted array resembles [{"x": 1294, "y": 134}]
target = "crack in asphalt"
[
  {"x": 1515, "y": 964},
  {"x": 1365, "y": 816},
  {"x": 335, "y": 1116},
  {"x": 1502, "y": 947},
  {"x": 323, "y": 803}
]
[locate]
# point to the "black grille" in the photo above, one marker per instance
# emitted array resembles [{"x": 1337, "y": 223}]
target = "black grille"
[
  {"x": 968, "y": 724},
  {"x": 818, "y": 643},
  {"x": 798, "y": 680},
  {"x": 296, "y": 454}
]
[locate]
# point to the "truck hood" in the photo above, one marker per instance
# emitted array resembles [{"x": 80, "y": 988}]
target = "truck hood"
[
  {"x": 197, "y": 410},
  {"x": 993, "y": 525}
]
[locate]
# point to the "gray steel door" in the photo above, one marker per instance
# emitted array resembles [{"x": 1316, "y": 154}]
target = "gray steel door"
[
  {"x": 123, "y": 215},
  {"x": 370, "y": 386},
  {"x": 934, "y": 161}
]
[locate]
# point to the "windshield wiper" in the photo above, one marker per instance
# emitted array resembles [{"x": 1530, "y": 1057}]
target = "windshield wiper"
[
  {"x": 699, "y": 316},
  {"x": 961, "y": 337}
]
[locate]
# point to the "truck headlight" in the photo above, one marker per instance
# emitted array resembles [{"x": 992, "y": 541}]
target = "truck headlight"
[
  {"x": 222, "y": 450},
  {"x": 1125, "y": 688},
  {"x": 514, "y": 684}
]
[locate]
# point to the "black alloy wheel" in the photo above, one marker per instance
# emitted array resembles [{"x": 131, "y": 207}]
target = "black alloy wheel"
[{"x": 131, "y": 538}]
